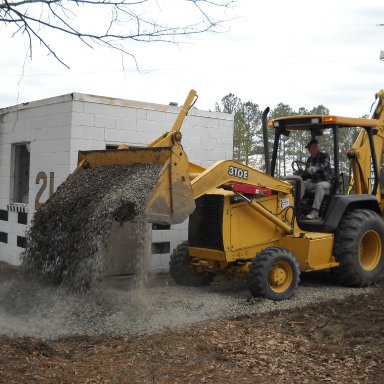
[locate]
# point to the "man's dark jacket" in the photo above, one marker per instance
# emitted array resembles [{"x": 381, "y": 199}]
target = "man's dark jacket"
[{"x": 322, "y": 165}]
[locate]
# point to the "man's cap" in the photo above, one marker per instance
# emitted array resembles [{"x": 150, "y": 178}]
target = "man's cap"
[{"x": 313, "y": 141}]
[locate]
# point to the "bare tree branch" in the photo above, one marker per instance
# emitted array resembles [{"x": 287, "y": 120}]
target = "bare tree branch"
[{"x": 127, "y": 21}]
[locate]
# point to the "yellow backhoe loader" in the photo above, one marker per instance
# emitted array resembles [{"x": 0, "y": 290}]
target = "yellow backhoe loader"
[{"x": 248, "y": 224}]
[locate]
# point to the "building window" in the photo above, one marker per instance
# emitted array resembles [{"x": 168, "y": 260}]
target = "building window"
[
  {"x": 3, "y": 237},
  {"x": 159, "y": 227},
  {"x": 21, "y": 164},
  {"x": 3, "y": 215},
  {"x": 22, "y": 218},
  {"x": 21, "y": 241},
  {"x": 163, "y": 247}
]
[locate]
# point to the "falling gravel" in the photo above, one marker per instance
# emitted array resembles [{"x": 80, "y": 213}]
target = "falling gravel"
[{"x": 69, "y": 233}]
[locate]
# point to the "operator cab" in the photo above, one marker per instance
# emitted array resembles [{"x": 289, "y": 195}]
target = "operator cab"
[{"x": 330, "y": 133}]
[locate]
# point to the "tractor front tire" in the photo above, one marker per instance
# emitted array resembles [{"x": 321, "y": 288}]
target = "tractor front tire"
[
  {"x": 182, "y": 270},
  {"x": 273, "y": 274},
  {"x": 359, "y": 248}
]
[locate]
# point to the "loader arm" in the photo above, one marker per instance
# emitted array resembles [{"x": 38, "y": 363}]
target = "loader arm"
[
  {"x": 228, "y": 173},
  {"x": 366, "y": 153},
  {"x": 173, "y": 137}
]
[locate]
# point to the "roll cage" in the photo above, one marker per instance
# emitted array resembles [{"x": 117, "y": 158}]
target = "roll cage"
[{"x": 316, "y": 125}]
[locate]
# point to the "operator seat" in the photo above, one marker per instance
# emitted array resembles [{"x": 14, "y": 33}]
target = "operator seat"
[{"x": 297, "y": 180}]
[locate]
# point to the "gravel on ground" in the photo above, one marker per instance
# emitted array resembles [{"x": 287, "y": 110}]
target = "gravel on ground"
[
  {"x": 33, "y": 307},
  {"x": 170, "y": 334}
]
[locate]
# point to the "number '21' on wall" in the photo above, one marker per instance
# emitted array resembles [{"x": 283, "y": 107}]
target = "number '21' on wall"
[{"x": 42, "y": 176}]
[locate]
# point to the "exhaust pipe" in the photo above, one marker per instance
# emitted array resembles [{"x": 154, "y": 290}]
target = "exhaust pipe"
[{"x": 264, "y": 124}]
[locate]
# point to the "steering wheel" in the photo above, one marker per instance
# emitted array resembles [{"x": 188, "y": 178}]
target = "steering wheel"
[{"x": 298, "y": 167}]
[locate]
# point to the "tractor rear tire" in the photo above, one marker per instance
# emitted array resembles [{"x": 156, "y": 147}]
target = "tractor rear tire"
[
  {"x": 273, "y": 274},
  {"x": 182, "y": 270},
  {"x": 359, "y": 248}
]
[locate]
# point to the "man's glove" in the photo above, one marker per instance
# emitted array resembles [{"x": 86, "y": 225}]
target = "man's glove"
[{"x": 311, "y": 170}]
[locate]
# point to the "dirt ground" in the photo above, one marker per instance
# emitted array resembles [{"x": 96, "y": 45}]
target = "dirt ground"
[{"x": 331, "y": 342}]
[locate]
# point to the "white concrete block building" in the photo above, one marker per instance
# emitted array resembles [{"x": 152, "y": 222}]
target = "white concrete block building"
[{"x": 40, "y": 140}]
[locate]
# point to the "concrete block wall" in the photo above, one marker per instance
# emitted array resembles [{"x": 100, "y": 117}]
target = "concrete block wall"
[
  {"x": 59, "y": 127},
  {"x": 45, "y": 126}
]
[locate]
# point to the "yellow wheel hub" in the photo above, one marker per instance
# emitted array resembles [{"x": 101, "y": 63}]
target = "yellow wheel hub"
[
  {"x": 280, "y": 276},
  {"x": 370, "y": 250}
]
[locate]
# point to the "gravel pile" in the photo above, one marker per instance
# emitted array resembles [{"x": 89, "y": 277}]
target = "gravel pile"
[
  {"x": 69, "y": 233},
  {"x": 29, "y": 307}
]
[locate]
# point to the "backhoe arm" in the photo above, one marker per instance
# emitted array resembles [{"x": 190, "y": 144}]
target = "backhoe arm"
[{"x": 361, "y": 154}]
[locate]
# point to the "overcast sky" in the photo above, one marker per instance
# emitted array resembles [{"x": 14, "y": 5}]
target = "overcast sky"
[{"x": 302, "y": 53}]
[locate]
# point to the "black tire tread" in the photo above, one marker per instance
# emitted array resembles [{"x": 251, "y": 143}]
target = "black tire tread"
[
  {"x": 258, "y": 279},
  {"x": 178, "y": 267},
  {"x": 346, "y": 248}
]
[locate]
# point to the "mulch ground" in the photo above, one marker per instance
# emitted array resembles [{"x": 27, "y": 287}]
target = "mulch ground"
[{"x": 332, "y": 342}]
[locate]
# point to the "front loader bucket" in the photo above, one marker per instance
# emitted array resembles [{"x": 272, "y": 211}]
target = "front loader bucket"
[{"x": 171, "y": 201}]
